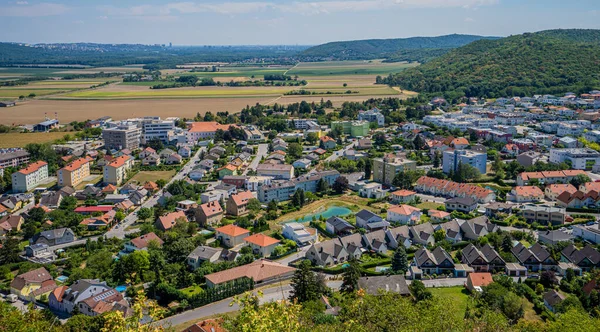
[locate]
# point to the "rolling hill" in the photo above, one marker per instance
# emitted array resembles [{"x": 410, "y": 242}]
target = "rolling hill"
[
  {"x": 419, "y": 49},
  {"x": 552, "y": 61}
]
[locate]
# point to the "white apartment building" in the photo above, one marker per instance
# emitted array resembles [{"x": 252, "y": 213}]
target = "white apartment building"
[
  {"x": 373, "y": 115},
  {"x": 451, "y": 160},
  {"x": 592, "y": 136},
  {"x": 157, "y": 129},
  {"x": 568, "y": 129},
  {"x": 582, "y": 158},
  {"x": 31, "y": 176}
]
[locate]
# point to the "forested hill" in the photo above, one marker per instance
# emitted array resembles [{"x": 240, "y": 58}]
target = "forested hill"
[
  {"x": 406, "y": 49},
  {"x": 552, "y": 61}
]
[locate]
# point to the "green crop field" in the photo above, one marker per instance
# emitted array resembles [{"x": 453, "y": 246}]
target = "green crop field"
[
  {"x": 348, "y": 68},
  {"x": 362, "y": 91}
]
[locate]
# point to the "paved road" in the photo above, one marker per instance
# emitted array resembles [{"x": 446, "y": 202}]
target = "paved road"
[
  {"x": 429, "y": 198},
  {"x": 119, "y": 231},
  {"x": 275, "y": 293},
  {"x": 261, "y": 152},
  {"x": 340, "y": 153}
]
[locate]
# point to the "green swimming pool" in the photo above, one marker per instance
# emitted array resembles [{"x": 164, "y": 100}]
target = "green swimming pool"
[{"x": 334, "y": 211}]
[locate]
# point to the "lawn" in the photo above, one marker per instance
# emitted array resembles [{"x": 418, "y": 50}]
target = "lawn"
[
  {"x": 457, "y": 295},
  {"x": 429, "y": 205},
  {"x": 17, "y": 140},
  {"x": 145, "y": 176},
  {"x": 192, "y": 290}
]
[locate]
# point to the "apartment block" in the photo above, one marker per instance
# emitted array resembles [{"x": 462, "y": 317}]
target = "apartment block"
[
  {"x": 451, "y": 160},
  {"x": 373, "y": 115},
  {"x": 545, "y": 215},
  {"x": 352, "y": 128},
  {"x": 74, "y": 173},
  {"x": 157, "y": 129},
  {"x": 386, "y": 168},
  {"x": 29, "y": 177},
  {"x": 14, "y": 158},
  {"x": 116, "y": 171},
  {"x": 123, "y": 136},
  {"x": 583, "y": 158}
]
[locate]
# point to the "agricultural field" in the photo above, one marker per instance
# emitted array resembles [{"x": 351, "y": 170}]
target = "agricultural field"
[
  {"x": 48, "y": 87},
  {"x": 12, "y": 140},
  {"x": 188, "y": 92},
  {"x": 337, "y": 68}
]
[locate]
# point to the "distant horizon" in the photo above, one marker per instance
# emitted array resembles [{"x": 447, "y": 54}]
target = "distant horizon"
[{"x": 280, "y": 22}]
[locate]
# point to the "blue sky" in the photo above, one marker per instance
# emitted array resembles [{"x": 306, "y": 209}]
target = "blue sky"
[{"x": 268, "y": 22}]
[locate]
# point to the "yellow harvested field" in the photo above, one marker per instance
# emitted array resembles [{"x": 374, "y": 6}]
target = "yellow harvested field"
[
  {"x": 197, "y": 92},
  {"x": 32, "y": 111},
  {"x": 16, "y": 140}
]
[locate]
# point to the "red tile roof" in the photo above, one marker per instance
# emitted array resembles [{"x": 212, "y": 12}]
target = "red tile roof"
[
  {"x": 528, "y": 191},
  {"x": 76, "y": 164},
  {"x": 404, "y": 209},
  {"x": 261, "y": 240},
  {"x": 242, "y": 198},
  {"x": 141, "y": 242},
  {"x": 403, "y": 193},
  {"x": 119, "y": 161},
  {"x": 232, "y": 230},
  {"x": 198, "y": 127},
  {"x": 33, "y": 167},
  {"x": 90, "y": 209},
  {"x": 169, "y": 220},
  {"x": 480, "y": 279},
  {"x": 211, "y": 208},
  {"x": 258, "y": 270}
]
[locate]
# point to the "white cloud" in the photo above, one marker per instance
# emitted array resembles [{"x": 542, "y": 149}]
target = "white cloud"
[
  {"x": 22, "y": 3},
  {"x": 469, "y": 19},
  {"x": 299, "y": 7},
  {"x": 37, "y": 10}
]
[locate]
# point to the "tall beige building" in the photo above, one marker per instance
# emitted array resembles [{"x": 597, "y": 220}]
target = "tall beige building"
[
  {"x": 386, "y": 168},
  {"x": 116, "y": 172},
  {"x": 74, "y": 173}
]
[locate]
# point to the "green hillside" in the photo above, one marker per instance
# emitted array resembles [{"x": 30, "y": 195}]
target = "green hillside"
[
  {"x": 552, "y": 61},
  {"x": 402, "y": 49}
]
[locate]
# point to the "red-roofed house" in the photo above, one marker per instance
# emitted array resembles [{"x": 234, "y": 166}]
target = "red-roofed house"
[
  {"x": 526, "y": 194},
  {"x": 237, "y": 204},
  {"x": 231, "y": 235},
  {"x": 511, "y": 150},
  {"x": 169, "y": 220},
  {"x": 32, "y": 284},
  {"x": 404, "y": 214},
  {"x": 548, "y": 177},
  {"x": 92, "y": 209},
  {"x": 328, "y": 143},
  {"x": 29, "y": 177},
  {"x": 209, "y": 325},
  {"x": 402, "y": 196},
  {"x": 476, "y": 280},
  {"x": 262, "y": 244},
  {"x": 554, "y": 190},
  {"x": 203, "y": 130},
  {"x": 262, "y": 271},
  {"x": 438, "y": 216},
  {"x": 141, "y": 242},
  {"x": 209, "y": 213},
  {"x": 459, "y": 143},
  {"x": 74, "y": 173}
]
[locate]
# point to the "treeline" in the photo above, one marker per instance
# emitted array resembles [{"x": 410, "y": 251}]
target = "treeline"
[
  {"x": 548, "y": 62},
  {"x": 277, "y": 77}
]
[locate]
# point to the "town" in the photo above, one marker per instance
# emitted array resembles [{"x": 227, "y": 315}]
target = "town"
[{"x": 189, "y": 212}]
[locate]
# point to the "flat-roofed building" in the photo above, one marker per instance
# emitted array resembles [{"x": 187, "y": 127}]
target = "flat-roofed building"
[
  {"x": 386, "y": 168},
  {"x": 123, "y": 136}
]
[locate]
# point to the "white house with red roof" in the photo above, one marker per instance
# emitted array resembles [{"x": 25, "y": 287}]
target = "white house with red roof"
[
  {"x": 262, "y": 244},
  {"x": 404, "y": 214}
]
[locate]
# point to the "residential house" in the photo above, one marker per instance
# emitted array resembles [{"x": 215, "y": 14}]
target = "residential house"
[
  {"x": 534, "y": 258},
  {"x": 543, "y": 214},
  {"x": 402, "y": 196},
  {"x": 437, "y": 216},
  {"x": 209, "y": 213},
  {"x": 439, "y": 187},
  {"x": 328, "y": 143},
  {"x": 261, "y": 271},
  {"x": 209, "y": 254},
  {"x": 152, "y": 159},
  {"x": 237, "y": 205},
  {"x": 238, "y": 181},
  {"x": 173, "y": 159},
  {"x": 482, "y": 259},
  {"x": 452, "y": 229},
  {"x": 529, "y": 158},
  {"x": 53, "y": 237},
  {"x": 422, "y": 234},
  {"x": 169, "y": 220},
  {"x": 388, "y": 283},
  {"x": 11, "y": 223},
  {"x": 354, "y": 244},
  {"x": 552, "y": 191},
  {"x": 586, "y": 259},
  {"x": 370, "y": 221},
  {"x": 477, "y": 280},
  {"x": 338, "y": 226},
  {"x": 552, "y": 299},
  {"x": 461, "y": 204},
  {"x": 521, "y": 194},
  {"x": 261, "y": 244},
  {"x": 299, "y": 233},
  {"x": 437, "y": 261},
  {"x": 398, "y": 236},
  {"x": 231, "y": 235},
  {"x": 302, "y": 163},
  {"x": 475, "y": 228},
  {"x": 327, "y": 253},
  {"x": 376, "y": 241},
  {"x": 33, "y": 284},
  {"x": 185, "y": 151},
  {"x": 146, "y": 152},
  {"x": 404, "y": 214},
  {"x": 68, "y": 298},
  {"x": 554, "y": 237},
  {"x": 548, "y": 177},
  {"x": 142, "y": 242}
]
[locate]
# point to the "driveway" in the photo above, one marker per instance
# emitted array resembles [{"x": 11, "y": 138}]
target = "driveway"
[
  {"x": 294, "y": 257},
  {"x": 340, "y": 153}
]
